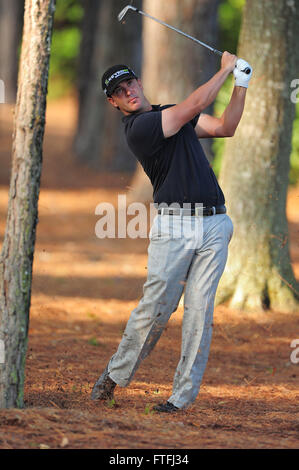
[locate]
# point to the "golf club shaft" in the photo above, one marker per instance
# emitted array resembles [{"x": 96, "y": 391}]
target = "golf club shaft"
[
  {"x": 125, "y": 10},
  {"x": 180, "y": 32}
]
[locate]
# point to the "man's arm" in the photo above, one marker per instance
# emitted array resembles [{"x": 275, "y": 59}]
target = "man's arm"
[
  {"x": 226, "y": 125},
  {"x": 177, "y": 116}
]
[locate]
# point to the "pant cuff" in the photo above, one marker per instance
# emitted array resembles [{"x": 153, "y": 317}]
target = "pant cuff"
[{"x": 120, "y": 382}]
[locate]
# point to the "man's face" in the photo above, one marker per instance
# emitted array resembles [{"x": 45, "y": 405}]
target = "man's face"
[{"x": 128, "y": 96}]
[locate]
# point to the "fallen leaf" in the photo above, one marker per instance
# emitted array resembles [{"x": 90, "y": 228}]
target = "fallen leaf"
[
  {"x": 44, "y": 446},
  {"x": 64, "y": 442}
]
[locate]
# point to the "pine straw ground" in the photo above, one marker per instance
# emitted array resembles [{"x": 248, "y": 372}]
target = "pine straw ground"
[{"x": 83, "y": 291}]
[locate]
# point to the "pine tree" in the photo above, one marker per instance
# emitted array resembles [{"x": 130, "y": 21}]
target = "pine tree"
[
  {"x": 19, "y": 241},
  {"x": 255, "y": 166}
]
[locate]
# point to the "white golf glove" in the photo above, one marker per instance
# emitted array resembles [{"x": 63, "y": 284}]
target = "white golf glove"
[{"x": 242, "y": 78}]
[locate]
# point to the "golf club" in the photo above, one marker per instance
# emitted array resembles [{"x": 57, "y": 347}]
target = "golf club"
[{"x": 125, "y": 10}]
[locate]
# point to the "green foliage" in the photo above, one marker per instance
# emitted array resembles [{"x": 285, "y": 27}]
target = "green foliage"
[
  {"x": 148, "y": 410},
  {"x": 111, "y": 403},
  {"x": 93, "y": 342},
  {"x": 65, "y": 47},
  {"x": 68, "y": 11},
  {"x": 230, "y": 17},
  {"x": 220, "y": 104},
  {"x": 294, "y": 170}
]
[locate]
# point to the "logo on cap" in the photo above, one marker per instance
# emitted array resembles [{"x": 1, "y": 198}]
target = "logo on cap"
[{"x": 116, "y": 75}]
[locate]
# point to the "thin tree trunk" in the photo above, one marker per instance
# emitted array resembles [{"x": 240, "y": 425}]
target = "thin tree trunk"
[
  {"x": 11, "y": 13},
  {"x": 174, "y": 66},
  {"x": 255, "y": 167},
  {"x": 18, "y": 247},
  {"x": 99, "y": 141},
  {"x": 89, "y": 26}
]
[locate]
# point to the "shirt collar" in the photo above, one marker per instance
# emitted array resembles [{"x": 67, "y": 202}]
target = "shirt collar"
[{"x": 155, "y": 107}]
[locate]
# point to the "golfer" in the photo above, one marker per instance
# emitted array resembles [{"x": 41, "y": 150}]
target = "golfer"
[{"x": 165, "y": 140}]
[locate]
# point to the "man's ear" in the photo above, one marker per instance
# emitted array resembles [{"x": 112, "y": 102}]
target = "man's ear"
[
  {"x": 111, "y": 101},
  {"x": 139, "y": 83}
]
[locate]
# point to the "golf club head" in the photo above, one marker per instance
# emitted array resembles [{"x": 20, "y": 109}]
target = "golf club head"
[{"x": 124, "y": 11}]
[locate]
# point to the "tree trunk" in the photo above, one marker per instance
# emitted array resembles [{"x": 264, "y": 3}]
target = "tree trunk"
[
  {"x": 255, "y": 167},
  {"x": 99, "y": 140},
  {"x": 174, "y": 66},
  {"x": 88, "y": 30},
  {"x": 18, "y": 247},
  {"x": 11, "y": 14}
]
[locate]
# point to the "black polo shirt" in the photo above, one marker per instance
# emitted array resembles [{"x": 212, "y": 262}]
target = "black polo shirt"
[{"x": 177, "y": 166}]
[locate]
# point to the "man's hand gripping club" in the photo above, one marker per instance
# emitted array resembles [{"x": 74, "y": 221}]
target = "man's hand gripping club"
[{"x": 241, "y": 69}]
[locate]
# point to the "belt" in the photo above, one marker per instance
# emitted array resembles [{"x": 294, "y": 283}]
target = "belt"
[{"x": 199, "y": 211}]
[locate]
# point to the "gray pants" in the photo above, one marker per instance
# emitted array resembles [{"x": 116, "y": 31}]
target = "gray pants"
[{"x": 194, "y": 259}]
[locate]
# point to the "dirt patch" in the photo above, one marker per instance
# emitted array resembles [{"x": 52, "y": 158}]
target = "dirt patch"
[{"x": 83, "y": 292}]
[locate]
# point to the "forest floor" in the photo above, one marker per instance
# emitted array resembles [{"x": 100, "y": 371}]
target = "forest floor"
[{"x": 84, "y": 289}]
